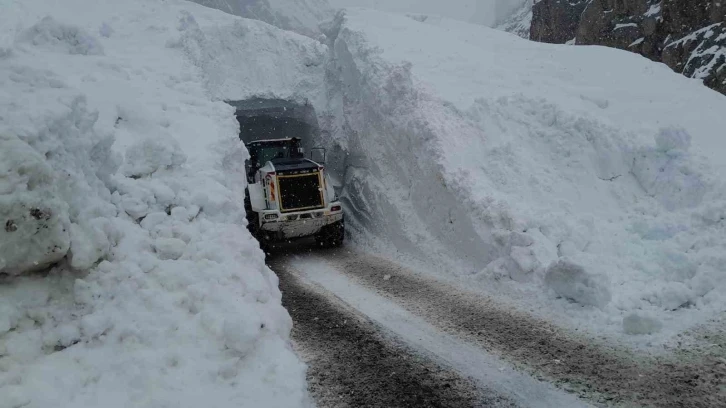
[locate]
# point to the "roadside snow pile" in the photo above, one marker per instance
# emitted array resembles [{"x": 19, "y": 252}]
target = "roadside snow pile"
[
  {"x": 584, "y": 183},
  {"x": 127, "y": 276}
]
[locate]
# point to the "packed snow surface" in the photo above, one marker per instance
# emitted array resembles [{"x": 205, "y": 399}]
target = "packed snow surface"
[
  {"x": 128, "y": 275},
  {"x": 582, "y": 183}
]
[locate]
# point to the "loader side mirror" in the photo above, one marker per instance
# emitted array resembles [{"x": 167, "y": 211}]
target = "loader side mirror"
[{"x": 317, "y": 154}]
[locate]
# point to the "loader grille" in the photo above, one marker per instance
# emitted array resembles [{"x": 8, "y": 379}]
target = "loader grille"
[{"x": 300, "y": 192}]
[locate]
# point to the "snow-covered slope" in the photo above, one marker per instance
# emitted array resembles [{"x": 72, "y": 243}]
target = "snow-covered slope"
[
  {"x": 584, "y": 183},
  {"x": 520, "y": 21},
  {"x": 301, "y": 16},
  {"x": 119, "y": 171}
]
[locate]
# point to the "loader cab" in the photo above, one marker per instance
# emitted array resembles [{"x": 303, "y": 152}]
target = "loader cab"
[{"x": 264, "y": 151}]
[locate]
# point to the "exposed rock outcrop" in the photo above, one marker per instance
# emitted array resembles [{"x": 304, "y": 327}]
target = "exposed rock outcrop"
[
  {"x": 555, "y": 21},
  {"x": 687, "y": 35}
]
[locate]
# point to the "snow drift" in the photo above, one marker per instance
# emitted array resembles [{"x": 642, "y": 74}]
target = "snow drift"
[
  {"x": 585, "y": 180},
  {"x": 128, "y": 276}
]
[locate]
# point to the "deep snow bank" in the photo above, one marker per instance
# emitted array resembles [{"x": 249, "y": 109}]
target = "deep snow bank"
[
  {"x": 300, "y": 16},
  {"x": 119, "y": 171},
  {"x": 587, "y": 180}
]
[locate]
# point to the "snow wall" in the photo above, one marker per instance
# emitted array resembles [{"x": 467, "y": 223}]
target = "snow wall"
[
  {"x": 566, "y": 181},
  {"x": 300, "y": 16},
  {"x": 127, "y": 274}
]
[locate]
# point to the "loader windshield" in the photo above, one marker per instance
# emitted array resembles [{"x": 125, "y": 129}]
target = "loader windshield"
[
  {"x": 268, "y": 153},
  {"x": 262, "y": 152}
]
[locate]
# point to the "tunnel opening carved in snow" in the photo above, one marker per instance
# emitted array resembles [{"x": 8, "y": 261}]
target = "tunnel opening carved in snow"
[{"x": 276, "y": 118}]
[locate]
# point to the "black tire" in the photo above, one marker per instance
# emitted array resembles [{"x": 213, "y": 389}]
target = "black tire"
[
  {"x": 331, "y": 236},
  {"x": 248, "y": 202},
  {"x": 253, "y": 225},
  {"x": 249, "y": 214},
  {"x": 265, "y": 245}
]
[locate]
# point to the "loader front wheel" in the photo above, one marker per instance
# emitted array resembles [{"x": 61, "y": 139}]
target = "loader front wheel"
[{"x": 331, "y": 236}]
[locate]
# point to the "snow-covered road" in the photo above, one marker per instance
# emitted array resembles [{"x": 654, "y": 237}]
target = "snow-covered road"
[
  {"x": 354, "y": 363},
  {"x": 346, "y": 304}
]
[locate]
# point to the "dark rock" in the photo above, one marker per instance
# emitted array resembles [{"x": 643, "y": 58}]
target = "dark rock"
[
  {"x": 687, "y": 35},
  {"x": 10, "y": 226},
  {"x": 556, "y": 21},
  {"x": 39, "y": 214}
]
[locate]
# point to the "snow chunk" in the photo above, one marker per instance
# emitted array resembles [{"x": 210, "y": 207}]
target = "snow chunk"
[
  {"x": 654, "y": 9},
  {"x": 667, "y": 173},
  {"x": 526, "y": 262},
  {"x": 571, "y": 281},
  {"x": 54, "y": 187},
  {"x": 169, "y": 248},
  {"x": 150, "y": 155},
  {"x": 635, "y": 324},
  {"x": 153, "y": 219},
  {"x": 34, "y": 220},
  {"x": 90, "y": 242},
  {"x": 180, "y": 214},
  {"x": 50, "y": 34}
]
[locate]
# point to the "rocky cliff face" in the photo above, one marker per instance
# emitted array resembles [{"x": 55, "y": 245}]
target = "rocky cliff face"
[
  {"x": 556, "y": 21},
  {"x": 687, "y": 35}
]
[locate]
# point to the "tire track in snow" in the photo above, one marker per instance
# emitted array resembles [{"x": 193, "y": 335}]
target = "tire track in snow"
[
  {"x": 609, "y": 376},
  {"x": 354, "y": 364}
]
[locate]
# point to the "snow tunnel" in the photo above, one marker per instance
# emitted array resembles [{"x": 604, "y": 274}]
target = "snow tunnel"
[{"x": 276, "y": 118}]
